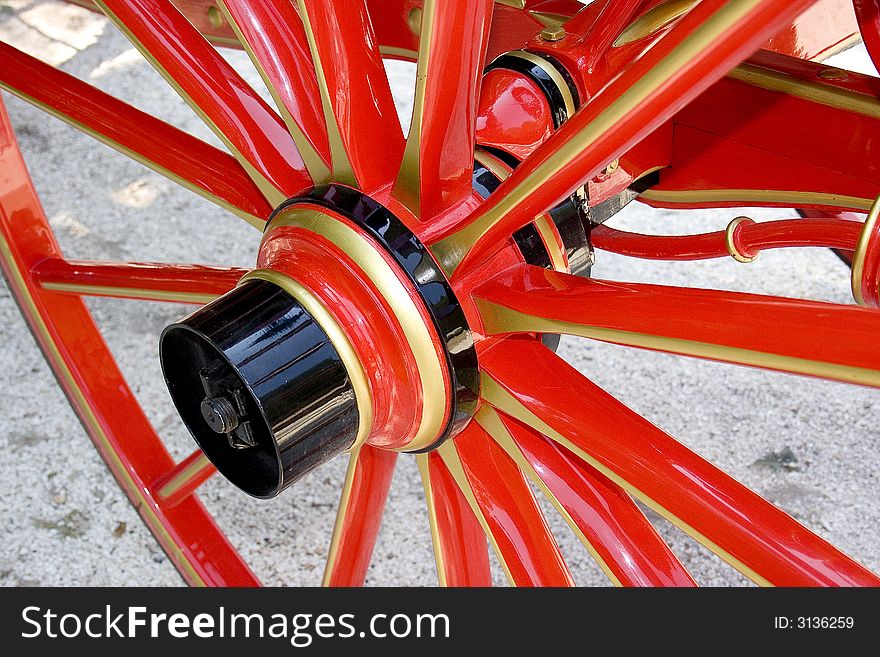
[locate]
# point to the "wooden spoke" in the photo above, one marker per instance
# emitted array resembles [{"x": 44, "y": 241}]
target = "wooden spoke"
[
  {"x": 701, "y": 47},
  {"x": 359, "y": 516},
  {"x": 137, "y": 280},
  {"x": 460, "y": 549},
  {"x": 506, "y": 508},
  {"x": 255, "y": 135},
  {"x": 746, "y": 329},
  {"x": 751, "y": 534},
  {"x": 435, "y": 174},
  {"x": 602, "y": 515},
  {"x": 366, "y": 142},
  {"x": 272, "y": 34},
  {"x": 188, "y": 161}
]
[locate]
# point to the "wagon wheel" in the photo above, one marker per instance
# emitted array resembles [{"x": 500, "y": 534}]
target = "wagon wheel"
[{"x": 431, "y": 291}]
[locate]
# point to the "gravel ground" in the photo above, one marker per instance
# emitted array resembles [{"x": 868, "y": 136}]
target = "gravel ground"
[{"x": 809, "y": 446}]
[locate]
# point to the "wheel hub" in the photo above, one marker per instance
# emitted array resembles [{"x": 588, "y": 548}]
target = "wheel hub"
[{"x": 346, "y": 333}]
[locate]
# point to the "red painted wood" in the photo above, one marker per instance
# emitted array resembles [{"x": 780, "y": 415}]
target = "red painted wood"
[
  {"x": 275, "y": 37},
  {"x": 704, "y": 67},
  {"x": 205, "y": 472},
  {"x": 445, "y": 126},
  {"x": 462, "y": 543},
  {"x": 358, "y": 89},
  {"x": 754, "y": 532},
  {"x": 158, "y": 277},
  {"x": 211, "y": 171},
  {"x": 520, "y": 531},
  {"x": 616, "y": 528},
  {"x": 219, "y": 92},
  {"x": 750, "y": 239},
  {"x": 360, "y": 522},
  {"x": 770, "y": 326}
]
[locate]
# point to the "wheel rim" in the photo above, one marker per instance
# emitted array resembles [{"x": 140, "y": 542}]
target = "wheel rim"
[{"x": 508, "y": 439}]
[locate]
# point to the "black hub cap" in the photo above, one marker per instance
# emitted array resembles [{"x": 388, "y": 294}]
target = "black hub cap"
[{"x": 260, "y": 387}]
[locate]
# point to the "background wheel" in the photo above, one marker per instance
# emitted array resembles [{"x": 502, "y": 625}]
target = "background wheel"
[{"x": 65, "y": 499}]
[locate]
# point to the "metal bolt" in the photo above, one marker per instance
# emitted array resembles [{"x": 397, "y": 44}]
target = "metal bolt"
[
  {"x": 215, "y": 18},
  {"x": 553, "y": 34},
  {"x": 832, "y": 74},
  {"x": 414, "y": 20},
  {"x": 611, "y": 168},
  {"x": 220, "y": 414}
]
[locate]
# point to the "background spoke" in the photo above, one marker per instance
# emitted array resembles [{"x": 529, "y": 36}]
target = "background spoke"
[
  {"x": 254, "y": 133},
  {"x": 439, "y": 157},
  {"x": 272, "y": 34}
]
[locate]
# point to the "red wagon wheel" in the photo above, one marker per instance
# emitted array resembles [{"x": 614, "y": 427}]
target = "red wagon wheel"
[{"x": 432, "y": 272}]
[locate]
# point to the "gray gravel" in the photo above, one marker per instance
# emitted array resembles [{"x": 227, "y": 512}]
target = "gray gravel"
[{"x": 809, "y": 446}]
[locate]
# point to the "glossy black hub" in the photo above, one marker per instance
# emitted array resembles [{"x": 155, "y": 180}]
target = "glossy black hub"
[
  {"x": 416, "y": 262},
  {"x": 260, "y": 387}
]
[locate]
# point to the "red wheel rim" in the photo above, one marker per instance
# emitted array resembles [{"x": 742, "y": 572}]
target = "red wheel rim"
[{"x": 663, "y": 88}]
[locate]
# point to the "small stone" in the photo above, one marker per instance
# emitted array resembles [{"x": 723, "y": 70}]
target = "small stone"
[
  {"x": 783, "y": 460},
  {"x": 119, "y": 530}
]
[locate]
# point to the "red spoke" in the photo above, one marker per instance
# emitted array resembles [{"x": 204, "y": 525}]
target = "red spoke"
[
  {"x": 754, "y": 536},
  {"x": 137, "y": 280},
  {"x": 597, "y": 29},
  {"x": 701, "y": 47},
  {"x": 615, "y": 531},
  {"x": 272, "y": 33},
  {"x": 747, "y": 238},
  {"x": 366, "y": 142},
  {"x": 173, "y": 153},
  {"x": 789, "y": 335},
  {"x": 438, "y": 162},
  {"x": 231, "y": 108},
  {"x": 501, "y": 498},
  {"x": 460, "y": 548},
  {"x": 184, "y": 479},
  {"x": 359, "y": 516}
]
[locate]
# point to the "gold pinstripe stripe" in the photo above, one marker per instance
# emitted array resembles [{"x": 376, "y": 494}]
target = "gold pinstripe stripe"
[{"x": 425, "y": 473}]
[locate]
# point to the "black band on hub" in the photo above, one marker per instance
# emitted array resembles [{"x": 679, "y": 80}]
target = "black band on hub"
[{"x": 428, "y": 279}]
